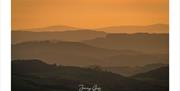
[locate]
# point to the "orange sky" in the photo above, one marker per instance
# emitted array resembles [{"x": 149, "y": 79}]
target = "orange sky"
[{"x": 88, "y": 13}]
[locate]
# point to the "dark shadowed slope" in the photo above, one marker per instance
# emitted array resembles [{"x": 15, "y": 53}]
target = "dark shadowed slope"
[
  {"x": 130, "y": 71},
  {"x": 67, "y": 78},
  {"x": 79, "y": 54},
  {"x": 160, "y": 73},
  {"x": 159, "y": 76},
  {"x": 32, "y": 66}
]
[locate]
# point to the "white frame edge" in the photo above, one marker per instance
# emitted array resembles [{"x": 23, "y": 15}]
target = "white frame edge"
[
  {"x": 5, "y": 45},
  {"x": 174, "y": 45}
]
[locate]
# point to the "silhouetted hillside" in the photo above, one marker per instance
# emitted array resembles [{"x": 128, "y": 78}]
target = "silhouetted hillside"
[
  {"x": 79, "y": 54},
  {"x": 67, "y": 78},
  {"x": 130, "y": 71},
  {"x": 31, "y": 66},
  {"x": 160, "y": 73},
  {"x": 75, "y": 35},
  {"x": 148, "y": 43},
  {"x": 158, "y": 76}
]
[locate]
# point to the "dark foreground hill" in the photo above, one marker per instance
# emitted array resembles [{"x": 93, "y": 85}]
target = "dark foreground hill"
[
  {"x": 34, "y": 75},
  {"x": 159, "y": 76},
  {"x": 131, "y": 71}
]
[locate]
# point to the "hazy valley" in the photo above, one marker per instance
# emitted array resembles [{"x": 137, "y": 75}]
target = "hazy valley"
[{"x": 53, "y": 57}]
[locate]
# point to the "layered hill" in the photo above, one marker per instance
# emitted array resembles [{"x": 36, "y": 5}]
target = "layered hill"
[
  {"x": 69, "y": 35},
  {"x": 79, "y": 54},
  {"x": 148, "y": 43}
]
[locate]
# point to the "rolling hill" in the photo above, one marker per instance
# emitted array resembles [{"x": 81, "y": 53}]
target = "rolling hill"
[
  {"x": 144, "y": 42},
  {"x": 79, "y": 54}
]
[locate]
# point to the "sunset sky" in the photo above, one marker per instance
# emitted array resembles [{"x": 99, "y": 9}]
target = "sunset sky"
[{"x": 88, "y": 13}]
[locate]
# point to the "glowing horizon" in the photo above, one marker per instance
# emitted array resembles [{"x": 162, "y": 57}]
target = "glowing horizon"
[{"x": 89, "y": 14}]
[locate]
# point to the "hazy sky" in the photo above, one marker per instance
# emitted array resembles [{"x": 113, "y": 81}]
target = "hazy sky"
[{"x": 88, "y": 13}]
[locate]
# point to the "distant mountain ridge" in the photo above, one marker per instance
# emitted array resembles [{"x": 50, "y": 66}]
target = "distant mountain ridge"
[
  {"x": 50, "y": 29},
  {"x": 71, "y": 35},
  {"x": 155, "y": 28},
  {"x": 67, "y": 33}
]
